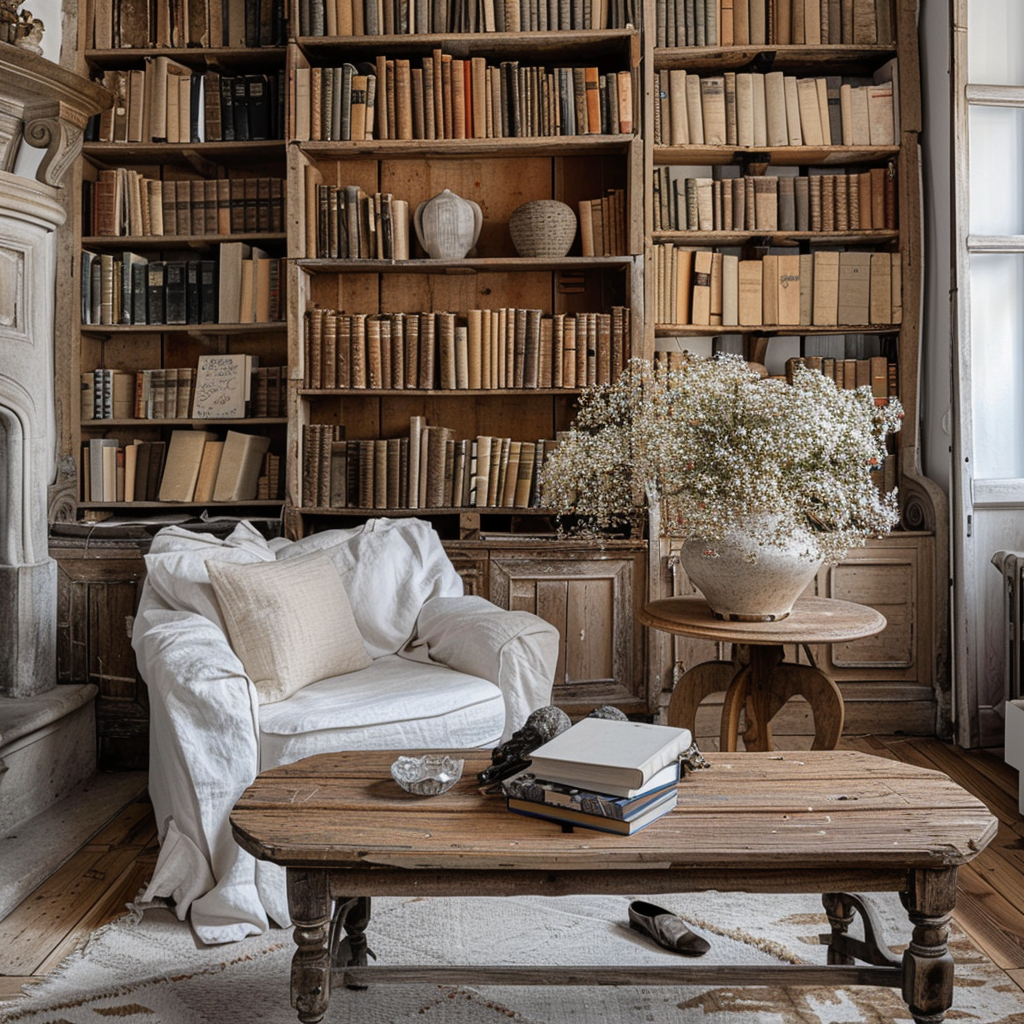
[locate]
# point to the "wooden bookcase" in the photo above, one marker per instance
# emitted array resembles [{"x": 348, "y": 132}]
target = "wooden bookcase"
[
  {"x": 902, "y": 575},
  {"x": 506, "y": 553},
  {"x": 165, "y": 346}
]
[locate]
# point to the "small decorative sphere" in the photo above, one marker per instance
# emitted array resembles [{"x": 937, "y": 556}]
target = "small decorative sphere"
[{"x": 543, "y": 228}]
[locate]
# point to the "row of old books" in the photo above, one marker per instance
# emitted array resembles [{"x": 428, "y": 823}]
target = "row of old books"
[
  {"x": 353, "y": 225},
  {"x": 223, "y": 386},
  {"x": 195, "y": 465},
  {"x": 876, "y": 372},
  {"x": 139, "y": 24},
  {"x": 483, "y": 349},
  {"x": 602, "y": 774},
  {"x": 775, "y": 109},
  {"x": 803, "y": 22},
  {"x": 854, "y": 201},
  {"x": 602, "y": 224},
  {"x": 418, "y": 17},
  {"x": 820, "y": 289},
  {"x": 450, "y": 98},
  {"x": 430, "y": 468},
  {"x": 123, "y": 202},
  {"x": 168, "y": 101},
  {"x": 244, "y": 285}
]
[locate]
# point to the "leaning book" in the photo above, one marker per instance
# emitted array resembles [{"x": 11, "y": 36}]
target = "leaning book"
[
  {"x": 528, "y": 787},
  {"x": 599, "y": 822},
  {"x": 614, "y": 757}
]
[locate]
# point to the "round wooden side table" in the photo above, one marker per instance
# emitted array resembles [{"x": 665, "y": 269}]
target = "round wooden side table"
[{"x": 764, "y": 683}]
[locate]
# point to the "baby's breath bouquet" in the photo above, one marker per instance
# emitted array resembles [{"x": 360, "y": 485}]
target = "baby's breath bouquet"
[{"x": 713, "y": 446}]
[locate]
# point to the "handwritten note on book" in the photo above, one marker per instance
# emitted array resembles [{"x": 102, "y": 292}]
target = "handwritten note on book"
[{"x": 220, "y": 387}]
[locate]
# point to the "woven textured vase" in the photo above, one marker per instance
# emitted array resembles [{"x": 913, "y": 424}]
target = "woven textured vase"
[
  {"x": 746, "y": 581},
  {"x": 543, "y": 228}
]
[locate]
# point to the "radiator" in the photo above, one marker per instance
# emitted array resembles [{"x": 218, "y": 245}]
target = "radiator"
[{"x": 1011, "y": 565}]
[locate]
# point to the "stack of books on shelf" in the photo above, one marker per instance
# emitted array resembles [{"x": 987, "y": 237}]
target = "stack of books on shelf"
[
  {"x": 195, "y": 23},
  {"x": 227, "y": 386},
  {"x": 854, "y": 201},
  {"x": 774, "y": 109},
  {"x": 353, "y": 225},
  {"x": 371, "y": 18},
  {"x": 429, "y": 468},
  {"x": 447, "y": 97},
  {"x": 167, "y": 101},
  {"x": 193, "y": 466},
  {"x": 603, "y": 225},
  {"x": 485, "y": 349},
  {"x": 803, "y": 22},
  {"x": 123, "y": 202},
  {"x": 825, "y": 288},
  {"x": 602, "y": 774},
  {"x": 244, "y": 285}
]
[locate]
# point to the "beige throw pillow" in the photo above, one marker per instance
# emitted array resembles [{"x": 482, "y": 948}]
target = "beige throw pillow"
[{"x": 290, "y": 623}]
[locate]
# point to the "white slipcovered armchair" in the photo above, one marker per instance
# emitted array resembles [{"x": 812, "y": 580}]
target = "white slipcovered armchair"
[{"x": 395, "y": 657}]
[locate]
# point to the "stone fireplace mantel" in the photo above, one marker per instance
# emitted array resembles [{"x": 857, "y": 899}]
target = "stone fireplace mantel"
[{"x": 47, "y": 106}]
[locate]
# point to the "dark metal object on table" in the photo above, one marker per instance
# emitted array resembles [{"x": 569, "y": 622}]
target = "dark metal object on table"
[{"x": 513, "y": 755}]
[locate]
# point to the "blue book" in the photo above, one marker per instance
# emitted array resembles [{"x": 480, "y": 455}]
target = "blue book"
[
  {"x": 527, "y": 786},
  {"x": 566, "y": 816}
]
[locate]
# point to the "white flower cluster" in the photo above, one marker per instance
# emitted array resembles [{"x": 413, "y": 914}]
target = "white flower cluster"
[{"x": 716, "y": 445}]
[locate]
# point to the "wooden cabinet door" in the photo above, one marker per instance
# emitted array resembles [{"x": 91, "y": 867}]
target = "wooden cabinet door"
[
  {"x": 589, "y": 596},
  {"x": 97, "y": 593}
]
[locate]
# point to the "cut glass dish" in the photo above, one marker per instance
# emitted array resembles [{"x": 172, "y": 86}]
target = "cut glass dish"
[{"x": 428, "y": 775}]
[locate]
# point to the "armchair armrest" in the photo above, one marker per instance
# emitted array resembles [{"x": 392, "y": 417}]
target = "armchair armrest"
[
  {"x": 204, "y": 751},
  {"x": 515, "y": 650}
]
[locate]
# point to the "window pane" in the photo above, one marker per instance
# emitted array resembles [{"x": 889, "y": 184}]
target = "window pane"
[
  {"x": 997, "y": 364},
  {"x": 994, "y": 32},
  {"x": 997, "y": 157}
]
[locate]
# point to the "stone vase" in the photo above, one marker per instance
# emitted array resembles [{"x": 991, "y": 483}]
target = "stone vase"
[
  {"x": 447, "y": 225},
  {"x": 746, "y": 581}
]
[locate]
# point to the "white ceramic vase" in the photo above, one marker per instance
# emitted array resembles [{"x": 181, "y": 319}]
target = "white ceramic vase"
[
  {"x": 447, "y": 225},
  {"x": 747, "y": 581}
]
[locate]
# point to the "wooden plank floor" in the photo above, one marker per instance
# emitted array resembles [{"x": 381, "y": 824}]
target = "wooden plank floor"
[{"x": 93, "y": 887}]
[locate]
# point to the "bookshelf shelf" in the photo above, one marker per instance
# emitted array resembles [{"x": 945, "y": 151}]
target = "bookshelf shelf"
[
  {"x": 200, "y": 330},
  {"x": 835, "y": 59},
  {"x": 196, "y": 242},
  {"x": 204, "y": 156},
  {"x": 468, "y": 265},
  {"x": 247, "y": 58},
  {"x": 778, "y": 156},
  {"x": 188, "y": 421},
  {"x": 442, "y": 510},
  {"x": 121, "y": 506},
  {"x": 771, "y": 330},
  {"x": 506, "y": 149},
  {"x": 762, "y": 238},
  {"x": 524, "y": 392},
  {"x": 575, "y": 44}
]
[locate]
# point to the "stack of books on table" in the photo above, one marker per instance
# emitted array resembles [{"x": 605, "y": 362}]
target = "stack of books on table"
[{"x": 608, "y": 775}]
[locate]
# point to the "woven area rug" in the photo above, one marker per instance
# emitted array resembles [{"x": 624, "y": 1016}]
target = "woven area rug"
[{"x": 147, "y": 968}]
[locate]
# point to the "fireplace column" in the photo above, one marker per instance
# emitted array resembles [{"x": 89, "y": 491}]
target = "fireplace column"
[
  {"x": 48, "y": 107},
  {"x": 28, "y": 576}
]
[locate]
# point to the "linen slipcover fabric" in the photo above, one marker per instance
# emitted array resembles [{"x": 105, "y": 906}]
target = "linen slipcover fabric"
[
  {"x": 207, "y": 727},
  {"x": 290, "y": 623}
]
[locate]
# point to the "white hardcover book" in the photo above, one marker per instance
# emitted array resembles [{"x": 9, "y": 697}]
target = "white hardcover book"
[{"x": 611, "y": 756}]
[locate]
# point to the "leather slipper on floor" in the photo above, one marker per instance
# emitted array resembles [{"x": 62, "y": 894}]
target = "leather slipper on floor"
[{"x": 666, "y": 929}]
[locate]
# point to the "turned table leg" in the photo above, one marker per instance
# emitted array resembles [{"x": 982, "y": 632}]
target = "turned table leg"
[
  {"x": 309, "y": 902},
  {"x": 927, "y": 964}
]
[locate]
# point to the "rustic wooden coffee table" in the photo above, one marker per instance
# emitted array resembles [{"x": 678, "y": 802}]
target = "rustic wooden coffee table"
[{"x": 830, "y": 822}]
